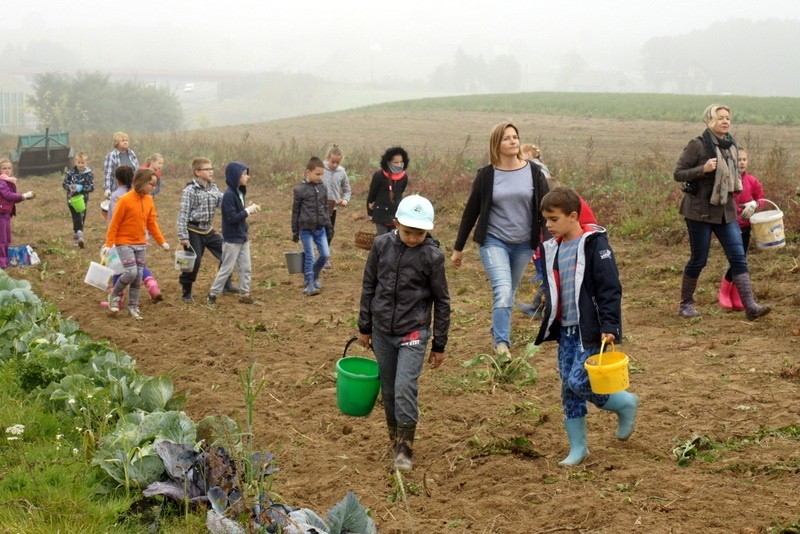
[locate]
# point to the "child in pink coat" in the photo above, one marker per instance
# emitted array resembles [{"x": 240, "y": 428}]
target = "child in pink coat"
[
  {"x": 8, "y": 207},
  {"x": 747, "y": 201}
]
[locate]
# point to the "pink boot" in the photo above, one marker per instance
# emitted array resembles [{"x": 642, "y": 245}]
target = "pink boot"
[
  {"x": 152, "y": 288},
  {"x": 736, "y": 301},
  {"x": 724, "y": 295}
]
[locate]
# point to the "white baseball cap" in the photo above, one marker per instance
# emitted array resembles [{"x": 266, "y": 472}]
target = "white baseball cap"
[{"x": 416, "y": 212}]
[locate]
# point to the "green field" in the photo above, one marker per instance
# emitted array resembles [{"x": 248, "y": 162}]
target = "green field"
[{"x": 778, "y": 111}]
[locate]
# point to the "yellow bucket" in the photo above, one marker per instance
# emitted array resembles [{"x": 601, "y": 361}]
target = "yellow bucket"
[
  {"x": 608, "y": 372},
  {"x": 768, "y": 228}
]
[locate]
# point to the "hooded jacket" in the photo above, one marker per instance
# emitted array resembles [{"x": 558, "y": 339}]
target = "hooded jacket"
[
  {"x": 401, "y": 285},
  {"x": 234, "y": 217},
  {"x": 385, "y": 192},
  {"x": 597, "y": 289},
  {"x": 337, "y": 183}
]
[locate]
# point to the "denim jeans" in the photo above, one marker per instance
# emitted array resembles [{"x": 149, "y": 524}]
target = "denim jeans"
[
  {"x": 318, "y": 237},
  {"x": 505, "y": 264},
  {"x": 575, "y": 387},
  {"x": 730, "y": 237},
  {"x": 400, "y": 360},
  {"x": 745, "y": 245}
]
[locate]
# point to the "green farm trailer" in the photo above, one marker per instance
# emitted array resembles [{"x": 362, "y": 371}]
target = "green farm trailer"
[{"x": 40, "y": 154}]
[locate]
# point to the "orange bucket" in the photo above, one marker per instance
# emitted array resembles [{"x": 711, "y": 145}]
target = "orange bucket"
[{"x": 608, "y": 371}]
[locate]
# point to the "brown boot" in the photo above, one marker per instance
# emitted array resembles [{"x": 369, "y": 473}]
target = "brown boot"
[
  {"x": 403, "y": 452},
  {"x": 752, "y": 310},
  {"x": 687, "y": 308}
]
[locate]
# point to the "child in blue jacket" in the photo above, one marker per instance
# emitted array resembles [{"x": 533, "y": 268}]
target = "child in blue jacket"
[
  {"x": 583, "y": 308},
  {"x": 235, "y": 245},
  {"x": 79, "y": 180}
]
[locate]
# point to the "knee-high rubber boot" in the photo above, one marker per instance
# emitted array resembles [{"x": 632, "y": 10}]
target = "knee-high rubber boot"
[
  {"x": 576, "y": 432},
  {"x": 724, "y": 295},
  {"x": 687, "y": 308},
  {"x": 187, "y": 294},
  {"x": 752, "y": 310},
  {"x": 625, "y": 405},
  {"x": 391, "y": 425},
  {"x": 152, "y": 289},
  {"x": 403, "y": 449}
]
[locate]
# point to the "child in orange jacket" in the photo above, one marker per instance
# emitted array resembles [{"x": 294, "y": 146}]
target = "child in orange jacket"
[{"x": 134, "y": 213}]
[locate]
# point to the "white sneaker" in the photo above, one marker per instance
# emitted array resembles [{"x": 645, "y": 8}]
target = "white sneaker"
[{"x": 135, "y": 314}]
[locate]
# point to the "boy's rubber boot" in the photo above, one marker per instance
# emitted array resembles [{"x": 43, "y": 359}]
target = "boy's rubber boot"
[
  {"x": 187, "y": 294},
  {"x": 403, "y": 449},
  {"x": 576, "y": 432},
  {"x": 391, "y": 425},
  {"x": 752, "y": 310},
  {"x": 687, "y": 309},
  {"x": 724, "y": 295},
  {"x": 625, "y": 405},
  {"x": 152, "y": 289},
  {"x": 736, "y": 300}
]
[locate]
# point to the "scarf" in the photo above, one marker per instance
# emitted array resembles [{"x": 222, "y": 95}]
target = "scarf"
[
  {"x": 9, "y": 179},
  {"x": 727, "y": 179},
  {"x": 393, "y": 177}
]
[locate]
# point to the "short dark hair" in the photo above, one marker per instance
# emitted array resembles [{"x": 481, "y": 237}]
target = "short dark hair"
[
  {"x": 124, "y": 175},
  {"x": 314, "y": 163},
  {"x": 563, "y": 199}
]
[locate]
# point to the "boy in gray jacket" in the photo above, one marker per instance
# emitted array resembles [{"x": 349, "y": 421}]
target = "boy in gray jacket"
[{"x": 311, "y": 223}]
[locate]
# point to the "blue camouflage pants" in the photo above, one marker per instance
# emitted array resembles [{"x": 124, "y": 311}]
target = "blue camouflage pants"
[{"x": 575, "y": 388}]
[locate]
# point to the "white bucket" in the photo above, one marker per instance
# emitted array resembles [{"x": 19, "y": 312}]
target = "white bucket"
[
  {"x": 98, "y": 276},
  {"x": 184, "y": 260},
  {"x": 767, "y": 227},
  {"x": 295, "y": 261}
]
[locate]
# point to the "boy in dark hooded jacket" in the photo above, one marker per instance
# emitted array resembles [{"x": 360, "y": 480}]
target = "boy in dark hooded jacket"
[
  {"x": 235, "y": 245},
  {"x": 583, "y": 309}
]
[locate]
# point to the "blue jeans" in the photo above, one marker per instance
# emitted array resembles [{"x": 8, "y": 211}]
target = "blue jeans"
[
  {"x": 505, "y": 264},
  {"x": 400, "y": 360},
  {"x": 575, "y": 387},
  {"x": 730, "y": 237},
  {"x": 311, "y": 269}
]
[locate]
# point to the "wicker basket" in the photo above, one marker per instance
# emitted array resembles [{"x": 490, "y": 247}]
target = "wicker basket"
[{"x": 363, "y": 239}]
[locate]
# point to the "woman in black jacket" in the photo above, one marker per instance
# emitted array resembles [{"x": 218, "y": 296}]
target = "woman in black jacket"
[
  {"x": 386, "y": 189},
  {"x": 504, "y": 202}
]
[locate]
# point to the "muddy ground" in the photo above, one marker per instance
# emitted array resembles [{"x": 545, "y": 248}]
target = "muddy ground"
[{"x": 720, "y": 376}]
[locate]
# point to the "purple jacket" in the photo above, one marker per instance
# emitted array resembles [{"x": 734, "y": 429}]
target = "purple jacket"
[{"x": 9, "y": 198}]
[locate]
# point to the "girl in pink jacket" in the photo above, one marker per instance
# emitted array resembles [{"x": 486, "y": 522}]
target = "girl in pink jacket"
[
  {"x": 747, "y": 201},
  {"x": 8, "y": 207}
]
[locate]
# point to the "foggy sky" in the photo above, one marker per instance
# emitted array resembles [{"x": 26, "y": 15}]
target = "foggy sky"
[{"x": 362, "y": 41}]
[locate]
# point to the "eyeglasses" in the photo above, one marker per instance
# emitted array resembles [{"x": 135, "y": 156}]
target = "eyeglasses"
[{"x": 208, "y": 169}]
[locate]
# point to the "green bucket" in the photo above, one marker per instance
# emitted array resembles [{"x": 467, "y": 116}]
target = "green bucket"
[
  {"x": 357, "y": 384},
  {"x": 78, "y": 203}
]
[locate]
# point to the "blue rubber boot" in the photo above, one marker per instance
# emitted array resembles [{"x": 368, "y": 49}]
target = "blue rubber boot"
[
  {"x": 625, "y": 405},
  {"x": 576, "y": 432}
]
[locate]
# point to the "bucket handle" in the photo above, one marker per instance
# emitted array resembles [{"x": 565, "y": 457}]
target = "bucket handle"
[
  {"x": 602, "y": 349},
  {"x": 771, "y": 202},
  {"x": 347, "y": 345},
  {"x": 188, "y": 247}
]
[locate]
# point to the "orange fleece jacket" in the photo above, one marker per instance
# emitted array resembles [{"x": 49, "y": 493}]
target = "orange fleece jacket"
[{"x": 132, "y": 214}]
